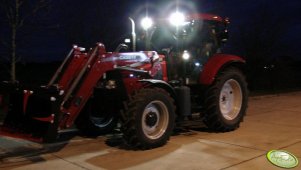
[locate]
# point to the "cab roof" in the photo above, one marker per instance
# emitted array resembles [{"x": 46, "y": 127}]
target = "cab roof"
[{"x": 204, "y": 16}]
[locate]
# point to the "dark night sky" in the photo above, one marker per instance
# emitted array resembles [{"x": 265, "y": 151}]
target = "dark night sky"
[{"x": 86, "y": 22}]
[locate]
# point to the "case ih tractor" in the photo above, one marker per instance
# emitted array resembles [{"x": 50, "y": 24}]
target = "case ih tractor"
[{"x": 180, "y": 76}]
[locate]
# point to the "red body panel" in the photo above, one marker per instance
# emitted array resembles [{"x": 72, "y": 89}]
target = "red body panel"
[
  {"x": 163, "y": 67},
  {"x": 164, "y": 70},
  {"x": 49, "y": 119},
  {"x": 75, "y": 65},
  {"x": 214, "y": 64},
  {"x": 132, "y": 84},
  {"x": 25, "y": 99},
  {"x": 205, "y": 17}
]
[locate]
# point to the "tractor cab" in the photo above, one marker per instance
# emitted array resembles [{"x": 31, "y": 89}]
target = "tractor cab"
[{"x": 187, "y": 42}]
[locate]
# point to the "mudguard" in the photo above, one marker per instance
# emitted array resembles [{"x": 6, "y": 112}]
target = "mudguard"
[
  {"x": 161, "y": 84},
  {"x": 217, "y": 63}
]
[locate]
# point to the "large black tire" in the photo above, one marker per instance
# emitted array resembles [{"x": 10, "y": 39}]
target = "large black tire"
[
  {"x": 226, "y": 101},
  {"x": 94, "y": 120},
  {"x": 150, "y": 118}
]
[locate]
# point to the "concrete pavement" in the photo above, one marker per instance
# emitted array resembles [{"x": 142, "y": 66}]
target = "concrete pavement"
[{"x": 272, "y": 122}]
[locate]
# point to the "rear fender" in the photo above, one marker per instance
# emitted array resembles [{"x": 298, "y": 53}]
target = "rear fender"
[{"x": 217, "y": 63}]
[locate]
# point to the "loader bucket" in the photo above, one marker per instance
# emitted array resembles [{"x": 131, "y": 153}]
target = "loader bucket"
[
  {"x": 37, "y": 113},
  {"x": 30, "y": 114}
]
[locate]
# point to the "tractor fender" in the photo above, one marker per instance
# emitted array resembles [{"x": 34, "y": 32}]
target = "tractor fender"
[
  {"x": 160, "y": 84},
  {"x": 217, "y": 63}
]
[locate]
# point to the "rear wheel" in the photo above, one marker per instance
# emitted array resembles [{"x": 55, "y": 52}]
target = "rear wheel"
[
  {"x": 226, "y": 101},
  {"x": 150, "y": 117},
  {"x": 96, "y": 120}
]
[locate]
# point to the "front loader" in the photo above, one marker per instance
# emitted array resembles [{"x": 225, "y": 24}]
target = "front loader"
[{"x": 180, "y": 74}]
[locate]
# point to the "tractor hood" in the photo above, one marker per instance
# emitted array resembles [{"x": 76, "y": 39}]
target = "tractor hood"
[{"x": 131, "y": 58}]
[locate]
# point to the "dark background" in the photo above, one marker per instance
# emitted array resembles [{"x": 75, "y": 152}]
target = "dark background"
[{"x": 266, "y": 33}]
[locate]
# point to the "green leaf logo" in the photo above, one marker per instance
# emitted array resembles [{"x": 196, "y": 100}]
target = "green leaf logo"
[{"x": 282, "y": 159}]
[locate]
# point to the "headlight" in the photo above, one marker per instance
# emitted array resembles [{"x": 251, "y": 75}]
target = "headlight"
[
  {"x": 146, "y": 23},
  {"x": 177, "y": 19},
  {"x": 186, "y": 55}
]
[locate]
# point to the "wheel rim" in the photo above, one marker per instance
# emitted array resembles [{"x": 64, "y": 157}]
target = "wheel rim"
[
  {"x": 101, "y": 121},
  {"x": 230, "y": 100},
  {"x": 155, "y": 119}
]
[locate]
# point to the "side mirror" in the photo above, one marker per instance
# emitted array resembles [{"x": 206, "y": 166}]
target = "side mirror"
[
  {"x": 121, "y": 46},
  {"x": 224, "y": 36}
]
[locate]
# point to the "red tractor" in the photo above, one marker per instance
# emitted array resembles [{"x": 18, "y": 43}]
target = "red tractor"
[{"x": 180, "y": 76}]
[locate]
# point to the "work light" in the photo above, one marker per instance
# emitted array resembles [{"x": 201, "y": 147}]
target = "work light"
[
  {"x": 177, "y": 19},
  {"x": 146, "y": 23},
  {"x": 186, "y": 55}
]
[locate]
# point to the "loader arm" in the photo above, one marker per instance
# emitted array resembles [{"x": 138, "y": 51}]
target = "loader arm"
[
  {"x": 69, "y": 69},
  {"x": 74, "y": 104}
]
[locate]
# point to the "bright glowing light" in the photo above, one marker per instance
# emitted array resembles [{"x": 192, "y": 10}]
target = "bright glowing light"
[
  {"x": 127, "y": 40},
  {"x": 177, "y": 19},
  {"x": 186, "y": 55},
  {"x": 197, "y": 64},
  {"x": 146, "y": 23}
]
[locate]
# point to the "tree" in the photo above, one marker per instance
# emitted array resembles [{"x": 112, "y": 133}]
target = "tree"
[{"x": 16, "y": 14}]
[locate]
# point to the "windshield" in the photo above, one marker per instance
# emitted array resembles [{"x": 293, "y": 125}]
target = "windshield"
[
  {"x": 201, "y": 38},
  {"x": 195, "y": 34},
  {"x": 163, "y": 37}
]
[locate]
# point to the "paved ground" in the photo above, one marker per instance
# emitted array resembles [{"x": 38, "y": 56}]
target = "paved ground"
[{"x": 272, "y": 122}]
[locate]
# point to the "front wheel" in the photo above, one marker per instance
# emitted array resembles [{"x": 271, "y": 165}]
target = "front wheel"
[
  {"x": 96, "y": 119},
  {"x": 226, "y": 101},
  {"x": 150, "y": 117}
]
